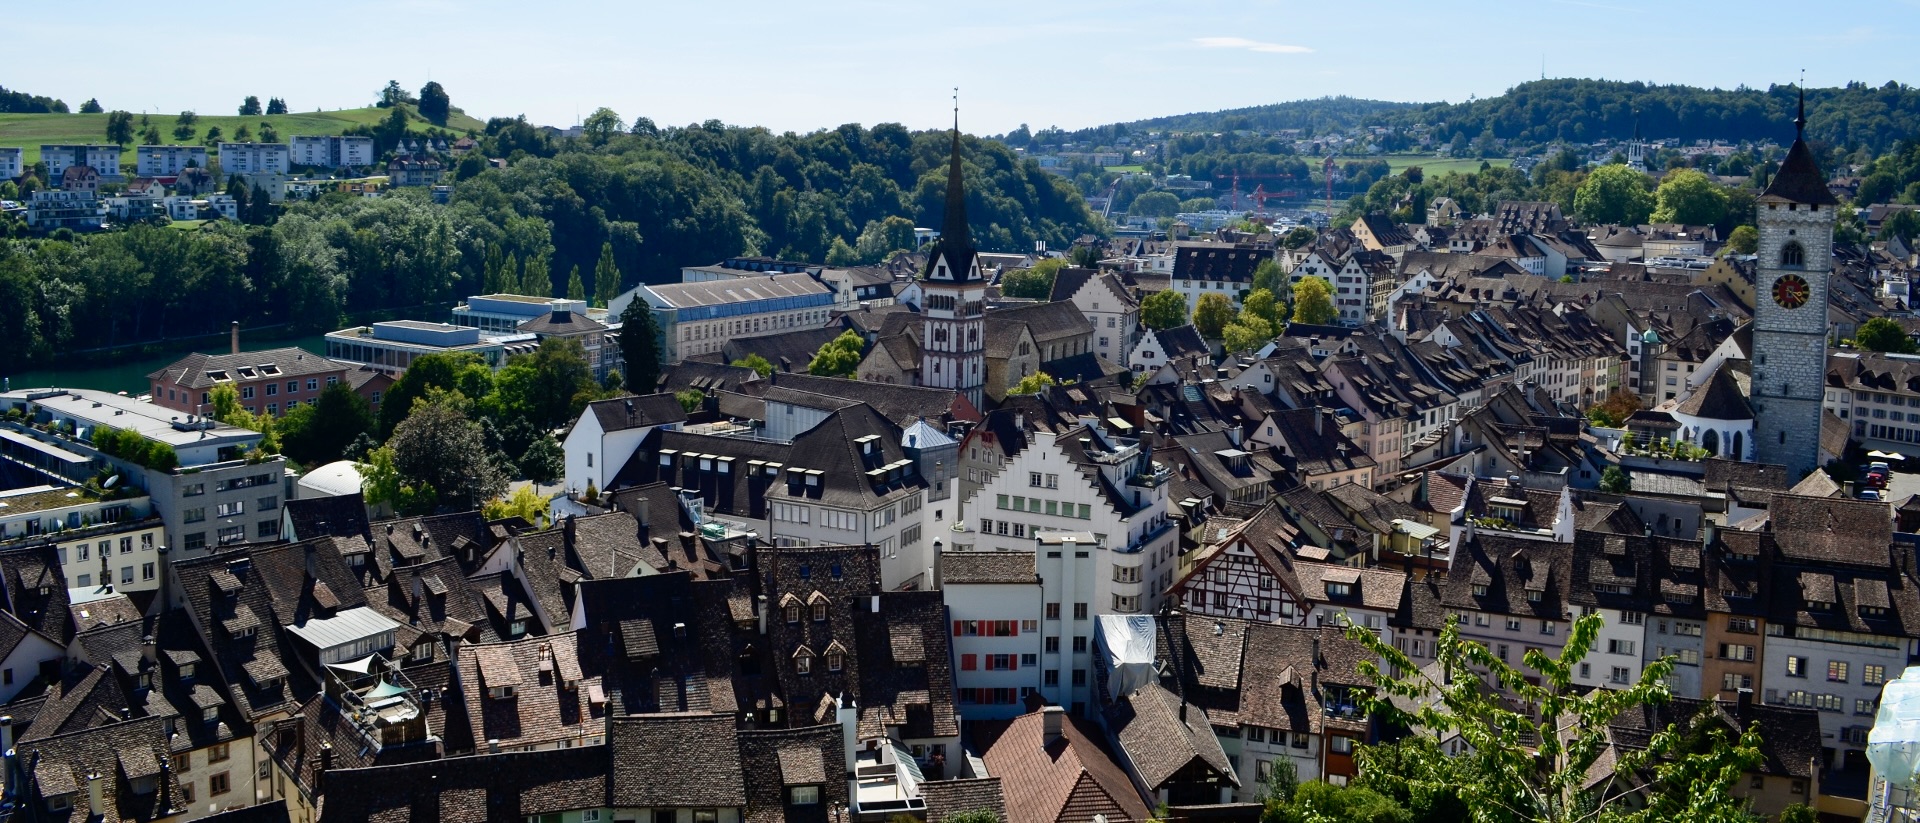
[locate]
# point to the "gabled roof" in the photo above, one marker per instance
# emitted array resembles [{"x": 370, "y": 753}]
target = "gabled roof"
[
  {"x": 1218, "y": 261},
  {"x": 623, "y": 413},
  {"x": 1071, "y": 778},
  {"x": 62, "y": 765},
  {"x": 1719, "y": 399},
  {"x": 677, "y": 761},
  {"x": 1181, "y": 341},
  {"x": 1832, "y": 530},
  {"x": 903, "y": 405},
  {"x": 197, "y": 371},
  {"x": 1160, "y": 735}
]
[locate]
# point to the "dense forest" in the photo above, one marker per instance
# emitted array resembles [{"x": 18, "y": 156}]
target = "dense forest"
[
  {"x": 15, "y": 102},
  {"x": 1541, "y": 111},
  {"x": 659, "y": 198}
]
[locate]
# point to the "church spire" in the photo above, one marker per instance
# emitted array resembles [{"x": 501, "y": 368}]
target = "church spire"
[
  {"x": 1800, "y": 121},
  {"x": 953, "y": 232}
]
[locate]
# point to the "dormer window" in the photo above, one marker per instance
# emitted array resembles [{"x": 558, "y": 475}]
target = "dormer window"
[
  {"x": 500, "y": 692},
  {"x": 1533, "y": 597},
  {"x": 819, "y": 612},
  {"x": 803, "y": 664},
  {"x": 793, "y": 613},
  {"x": 834, "y": 661},
  {"x": 1818, "y": 605},
  {"x": 1479, "y": 590},
  {"x": 1339, "y": 589},
  {"x": 211, "y": 715},
  {"x": 186, "y": 671},
  {"x": 517, "y": 627}
]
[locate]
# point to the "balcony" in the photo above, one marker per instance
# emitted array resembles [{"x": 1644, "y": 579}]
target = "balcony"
[{"x": 1151, "y": 536}]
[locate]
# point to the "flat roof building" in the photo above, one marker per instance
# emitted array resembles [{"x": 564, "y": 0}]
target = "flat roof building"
[{"x": 395, "y": 344}]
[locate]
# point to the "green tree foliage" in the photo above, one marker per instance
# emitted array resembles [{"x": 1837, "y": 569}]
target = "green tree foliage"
[
  {"x": 640, "y": 347},
  {"x": 547, "y": 388},
  {"x": 1034, "y": 383},
  {"x": 133, "y": 448},
  {"x": 1212, "y": 313},
  {"x": 1296, "y": 237},
  {"x": 1501, "y": 779},
  {"x": 23, "y": 103},
  {"x": 1689, "y": 197},
  {"x": 840, "y": 357},
  {"x": 1904, "y": 224},
  {"x": 276, "y": 105},
  {"x": 1268, "y": 277},
  {"x": 1313, "y": 302},
  {"x": 393, "y": 94},
  {"x": 438, "y": 448},
  {"x": 524, "y": 503},
  {"x": 841, "y": 254},
  {"x": 973, "y": 816},
  {"x": 1884, "y": 335},
  {"x": 462, "y": 372},
  {"x": 250, "y": 107},
  {"x": 1319, "y": 802},
  {"x": 606, "y": 277},
  {"x": 1155, "y": 204},
  {"x": 601, "y": 126},
  {"x": 321, "y": 433},
  {"x": 120, "y": 127},
  {"x": 1246, "y": 333},
  {"x": 576, "y": 290},
  {"x": 754, "y": 361},
  {"x": 880, "y": 238},
  {"x": 1035, "y": 283},
  {"x": 544, "y": 461},
  {"x": 1614, "y": 194},
  {"x": 1260, "y": 303},
  {"x": 92, "y": 106},
  {"x": 1615, "y": 480},
  {"x": 184, "y": 127},
  {"x": 690, "y": 399},
  {"x": 1164, "y": 310},
  {"x": 536, "y": 279},
  {"x": 1744, "y": 240}
]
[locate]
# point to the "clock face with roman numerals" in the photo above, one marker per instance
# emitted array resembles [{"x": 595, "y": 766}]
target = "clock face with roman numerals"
[{"x": 1791, "y": 291}]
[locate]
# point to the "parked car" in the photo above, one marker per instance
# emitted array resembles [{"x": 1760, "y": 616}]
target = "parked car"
[{"x": 1869, "y": 494}]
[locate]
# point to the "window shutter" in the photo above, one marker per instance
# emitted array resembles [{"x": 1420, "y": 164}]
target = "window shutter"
[
  {"x": 1013, "y": 628},
  {"x": 958, "y": 629},
  {"x": 1013, "y": 662},
  {"x": 967, "y": 662}
]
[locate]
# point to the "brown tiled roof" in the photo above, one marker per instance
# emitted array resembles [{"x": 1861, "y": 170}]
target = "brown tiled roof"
[
  {"x": 988, "y": 567},
  {"x": 1071, "y": 778},
  {"x": 677, "y": 760},
  {"x": 1832, "y": 530},
  {"x": 781, "y": 758},
  {"x": 63, "y": 763},
  {"x": 950, "y": 797},
  {"x": 1161, "y": 735},
  {"x": 551, "y": 699},
  {"x": 476, "y": 789},
  {"x": 192, "y": 372}
]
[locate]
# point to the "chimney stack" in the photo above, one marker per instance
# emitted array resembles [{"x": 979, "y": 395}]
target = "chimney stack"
[
  {"x": 1051, "y": 717},
  {"x": 6, "y": 735},
  {"x": 233, "y": 338},
  {"x": 96, "y": 803},
  {"x": 568, "y": 531},
  {"x": 1745, "y": 700}
]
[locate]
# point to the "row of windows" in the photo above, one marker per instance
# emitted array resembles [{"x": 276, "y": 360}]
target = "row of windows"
[
  {"x": 83, "y": 551},
  {"x": 1871, "y": 674},
  {"x": 85, "y": 581},
  {"x": 1035, "y": 505}
]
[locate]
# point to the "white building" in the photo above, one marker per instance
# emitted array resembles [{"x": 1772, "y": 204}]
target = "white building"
[
  {"x": 254, "y": 158},
  {"x": 104, "y": 159},
  {"x": 609, "y": 432},
  {"x": 1109, "y": 308},
  {"x": 994, "y": 600},
  {"x": 700, "y": 318},
  {"x": 331, "y": 151},
  {"x": 100, "y": 542},
  {"x": 168, "y": 161},
  {"x": 12, "y": 162},
  {"x": 1092, "y": 509}
]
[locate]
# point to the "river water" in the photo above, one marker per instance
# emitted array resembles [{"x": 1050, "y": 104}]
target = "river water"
[{"x": 129, "y": 374}]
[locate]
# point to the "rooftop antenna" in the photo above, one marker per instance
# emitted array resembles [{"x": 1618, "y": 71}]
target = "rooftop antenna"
[
  {"x": 956, "y": 109},
  {"x": 1800, "y": 122}
]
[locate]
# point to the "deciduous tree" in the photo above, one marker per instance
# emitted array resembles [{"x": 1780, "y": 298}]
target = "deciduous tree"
[
  {"x": 1164, "y": 310},
  {"x": 759, "y": 364},
  {"x": 640, "y": 347},
  {"x": 1743, "y": 240},
  {"x": 1614, "y": 194},
  {"x": 1212, "y": 313},
  {"x": 1246, "y": 333},
  {"x": 601, "y": 126},
  {"x": 120, "y": 127},
  {"x": 1313, "y": 302},
  {"x": 276, "y": 105},
  {"x": 1689, "y": 197},
  {"x": 840, "y": 357},
  {"x": 1035, "y": 283},
  {"x": 250, "y": 107},
  {"x": 439, "y": 448},
  {"x": 1884, "y": 335},
  {"x": 1032, "y": 384}
]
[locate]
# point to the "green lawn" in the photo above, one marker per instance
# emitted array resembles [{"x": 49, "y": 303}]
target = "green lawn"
[
  {"x": 1122, "y": 169},
  {"x": 29, "y": 131},
  {"x": 187, "y": 225},
  {"x": 1434, "y": 166}
]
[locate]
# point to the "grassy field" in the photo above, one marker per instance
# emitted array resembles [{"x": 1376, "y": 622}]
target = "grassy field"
[
  {"x": 1434, "y": 166},
  {"x": 29, "y": 131}
]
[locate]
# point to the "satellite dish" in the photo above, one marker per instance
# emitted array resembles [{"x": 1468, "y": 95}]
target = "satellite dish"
[{"x": 111, "y": 482}]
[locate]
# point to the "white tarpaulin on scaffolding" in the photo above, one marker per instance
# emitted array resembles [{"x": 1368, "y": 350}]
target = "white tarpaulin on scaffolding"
[
  {"x": 1128, "y": 641},
  {"x": 1893, "y": 747}
]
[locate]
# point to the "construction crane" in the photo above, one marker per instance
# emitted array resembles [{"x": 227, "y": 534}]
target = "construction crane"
[
  {"x": 1327, "y": 170},
  {"x": 1235, "y": 177},
  {"x": 1107, "y": 211}
]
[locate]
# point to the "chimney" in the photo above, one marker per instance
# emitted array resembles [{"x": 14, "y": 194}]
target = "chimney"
[
  {"x": 96, "y": 803},
  {"x": 326, "y": 757},
  {"x": 233, "y": 338},
  {"x": 1050, "y": 719},
  {"x": 6, "y": 735},
  {"x": 568, "y": 532},
  {"x": 1318, "y": 415},
  {"x": 1745, "y": 700},
  {"x": 1316, "y": 651}
]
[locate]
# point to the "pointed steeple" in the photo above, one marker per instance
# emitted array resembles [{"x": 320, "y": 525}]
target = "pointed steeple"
[
  {"x": 1799, "y": 179},
  {"x": 954, "y": 230}
]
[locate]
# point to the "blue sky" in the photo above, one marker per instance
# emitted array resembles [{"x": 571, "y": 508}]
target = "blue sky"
[{"x": 806, "y": 65}]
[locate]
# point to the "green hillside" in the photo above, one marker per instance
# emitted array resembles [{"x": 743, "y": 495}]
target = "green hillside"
[{"x": 29, "y": 131}]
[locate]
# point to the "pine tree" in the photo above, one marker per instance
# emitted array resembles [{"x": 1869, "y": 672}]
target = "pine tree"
[
  {"x": 575, "y": 289},
  {"x": 510, "y": 275},
  {"x": 606, "y": 277},
  {"x": 490, "y": 277},
  {"x": 536, "y": 281}
]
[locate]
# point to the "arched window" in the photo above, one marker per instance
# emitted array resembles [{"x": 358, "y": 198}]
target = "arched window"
[
  {"x": 1739, "y": 448},
  {"x": 1792, "y": 255},
  {"x": 1710, "y": 441}
]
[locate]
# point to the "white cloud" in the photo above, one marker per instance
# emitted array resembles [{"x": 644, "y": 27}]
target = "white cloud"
[{"x": 1249, "y": 45}]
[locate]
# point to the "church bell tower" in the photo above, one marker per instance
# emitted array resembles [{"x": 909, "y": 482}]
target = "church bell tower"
[
  {"x": 953, "y": 346},
  {"x": 1796, "y": 218}
]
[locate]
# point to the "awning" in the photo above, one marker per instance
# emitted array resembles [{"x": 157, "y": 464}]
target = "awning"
[{"x": 1880, "y": 455}]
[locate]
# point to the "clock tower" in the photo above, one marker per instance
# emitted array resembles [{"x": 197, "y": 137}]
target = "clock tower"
[
  {"x": 953, "y": 342},
  {"x": 1796, "y": 215}
]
